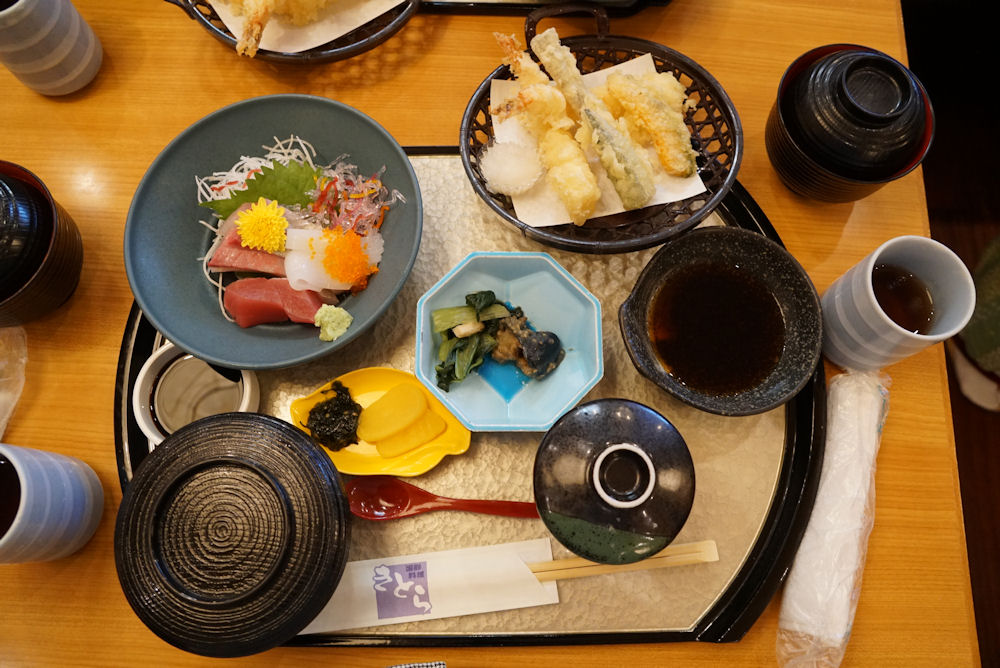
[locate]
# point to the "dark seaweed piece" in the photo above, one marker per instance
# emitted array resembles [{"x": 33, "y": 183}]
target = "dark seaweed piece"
[
  {"x": 333, "y": 422},
  {"x": 480, "y": 300}
]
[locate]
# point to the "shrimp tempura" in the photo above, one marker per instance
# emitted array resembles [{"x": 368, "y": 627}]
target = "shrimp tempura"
[
  {"x": 257, "y": 13},
  {"x": 541, "y": 109}
]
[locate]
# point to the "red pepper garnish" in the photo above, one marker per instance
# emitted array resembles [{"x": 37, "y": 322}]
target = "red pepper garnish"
[{"x": 318, "y": 204}]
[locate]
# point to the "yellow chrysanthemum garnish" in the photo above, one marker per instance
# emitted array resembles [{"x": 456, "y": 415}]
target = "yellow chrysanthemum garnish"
[{"x": 263, "y": 226}]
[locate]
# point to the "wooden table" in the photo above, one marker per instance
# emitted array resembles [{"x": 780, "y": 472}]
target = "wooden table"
[{"x": 162, "y": 72}]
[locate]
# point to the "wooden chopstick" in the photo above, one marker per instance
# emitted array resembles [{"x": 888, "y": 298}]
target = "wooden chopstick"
[{"x": 672, "y": 555}]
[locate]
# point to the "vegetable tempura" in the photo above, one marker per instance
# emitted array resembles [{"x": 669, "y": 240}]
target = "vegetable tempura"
[
  {"x": 652, "y": 105},
  {"x": 623, "y": 160}
]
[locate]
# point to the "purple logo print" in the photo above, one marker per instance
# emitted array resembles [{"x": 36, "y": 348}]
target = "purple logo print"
[{"x": 401, "y": 590}]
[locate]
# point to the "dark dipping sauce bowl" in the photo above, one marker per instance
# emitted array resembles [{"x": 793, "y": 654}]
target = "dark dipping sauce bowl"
[
  {"x": 41, "y": 252},
  {"x": 847, "y": 120},
  {"x": 725, "y": 320}
]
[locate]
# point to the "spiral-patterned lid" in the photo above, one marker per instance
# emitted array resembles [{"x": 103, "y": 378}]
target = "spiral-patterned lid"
[{"x": 232, "y": 535}]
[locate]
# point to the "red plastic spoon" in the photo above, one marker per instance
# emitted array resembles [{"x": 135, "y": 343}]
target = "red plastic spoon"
[{"x": 383, "y": 497}]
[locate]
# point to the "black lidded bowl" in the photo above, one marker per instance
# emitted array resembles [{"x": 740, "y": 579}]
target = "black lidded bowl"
[
  {"x": 232, "y": 535},
  {"x": 41, "y": 252},
  {"x": 722, "y": 280},
  {"x": 716, "y": 130},
  {"x": 847, "y": 120}
]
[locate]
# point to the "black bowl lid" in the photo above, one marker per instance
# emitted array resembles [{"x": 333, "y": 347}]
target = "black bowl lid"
[
  {"x": 232, "y": 535},
  {"x": 614, "y": 481},
  {"x": 859, "y": 113}
]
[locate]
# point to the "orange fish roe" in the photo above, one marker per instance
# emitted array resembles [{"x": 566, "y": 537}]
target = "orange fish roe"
[{"x": 345, "y": 259}]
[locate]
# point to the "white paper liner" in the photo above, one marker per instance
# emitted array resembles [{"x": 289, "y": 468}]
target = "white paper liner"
[{"x": 335, "y": 20}]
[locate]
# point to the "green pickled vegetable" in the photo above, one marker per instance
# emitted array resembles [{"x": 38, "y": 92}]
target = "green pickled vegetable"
[
  {"x": 452, "y": 316},
  {"x": 444, "y": 350},
  {"x": 493, "y": 311},
  {"x": 465, "y": 356}
]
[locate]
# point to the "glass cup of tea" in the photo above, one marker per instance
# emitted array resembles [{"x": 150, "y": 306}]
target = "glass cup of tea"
[
  {"x": 908, "y": 294},
  {"x": 50, "y": 504}
]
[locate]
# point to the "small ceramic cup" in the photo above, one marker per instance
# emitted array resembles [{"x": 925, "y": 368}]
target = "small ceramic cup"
[
  {"x": 50, "y": 504},
  {"x": 908, "y": 294},
  {"x": 41, "y": 251},
  {"x": 174, "y": 388},
  {"x": 847, "y": 120},
  {"x": 48, "y": 45}
]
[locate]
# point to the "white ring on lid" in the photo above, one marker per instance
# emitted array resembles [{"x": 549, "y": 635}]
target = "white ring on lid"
[{"x": 603, "y": 493}]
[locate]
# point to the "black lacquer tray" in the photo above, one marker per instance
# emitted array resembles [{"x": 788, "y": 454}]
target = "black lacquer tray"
[
  {"x": 716, "y": 135},
  {"x": 357, "y": 41},
  {"x": 733, "y": 611}
]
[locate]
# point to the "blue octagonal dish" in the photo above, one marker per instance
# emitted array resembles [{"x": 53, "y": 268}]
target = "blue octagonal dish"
[{"x": 498, "y": 397}]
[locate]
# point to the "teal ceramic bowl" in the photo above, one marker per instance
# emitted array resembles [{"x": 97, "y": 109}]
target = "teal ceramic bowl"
[
  {"x": 497, "y": 397},
  {"x": 164, "y": 241}
]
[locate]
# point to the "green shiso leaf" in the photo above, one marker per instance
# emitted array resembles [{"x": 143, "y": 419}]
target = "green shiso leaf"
[{"x": 286, "y": 184}]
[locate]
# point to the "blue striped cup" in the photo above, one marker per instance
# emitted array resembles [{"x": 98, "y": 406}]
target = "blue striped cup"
[
  {"x": 48, "y": 45},
  {"x": 50, "y": 504}
]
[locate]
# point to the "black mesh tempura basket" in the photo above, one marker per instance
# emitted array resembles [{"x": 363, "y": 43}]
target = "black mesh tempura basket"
[
  {"x": 716, "y": 135},
  {"x": 357, "y": 41}
]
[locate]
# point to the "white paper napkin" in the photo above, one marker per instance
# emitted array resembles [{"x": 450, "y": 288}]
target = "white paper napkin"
[{"x": 821, "y": 593}]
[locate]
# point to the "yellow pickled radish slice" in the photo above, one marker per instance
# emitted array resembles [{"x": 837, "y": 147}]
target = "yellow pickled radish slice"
[
  {"x": 428, "y": 426},
  {"x": 394, "y": 411}
]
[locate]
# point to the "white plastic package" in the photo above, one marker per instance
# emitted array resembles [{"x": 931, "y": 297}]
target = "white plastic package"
[
  {"x": 824, "y": 583},
  {"x": 13, "y": 357}
]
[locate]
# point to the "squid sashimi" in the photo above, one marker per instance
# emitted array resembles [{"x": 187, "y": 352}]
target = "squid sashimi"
[{"x": 259, "y": 300}]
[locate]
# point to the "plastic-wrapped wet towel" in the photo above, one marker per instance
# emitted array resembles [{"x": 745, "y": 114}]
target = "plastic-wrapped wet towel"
[
  {"x": 823, "y": 586},
  {"x": 13, "y": 357}
]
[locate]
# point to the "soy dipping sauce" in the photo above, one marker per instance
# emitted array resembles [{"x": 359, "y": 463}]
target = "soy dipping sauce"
[
  {"x": 717, "y": 328},
  {"x": 904, "y": 298}
]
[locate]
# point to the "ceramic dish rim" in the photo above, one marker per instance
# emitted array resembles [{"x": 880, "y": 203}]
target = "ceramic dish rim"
[{"x": 421, "y": 351}]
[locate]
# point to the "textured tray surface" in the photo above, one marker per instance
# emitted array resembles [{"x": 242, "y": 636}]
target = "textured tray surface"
[{"x": 736, "y": 459}]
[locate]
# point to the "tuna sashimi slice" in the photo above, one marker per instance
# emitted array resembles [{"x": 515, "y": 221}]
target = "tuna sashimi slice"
[
  {"x": 232, "y": 256},
  {"x": 254, "y": 301}
]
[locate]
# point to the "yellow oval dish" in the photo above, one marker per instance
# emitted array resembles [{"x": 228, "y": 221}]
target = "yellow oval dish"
[{"x": 366, "y": 386}]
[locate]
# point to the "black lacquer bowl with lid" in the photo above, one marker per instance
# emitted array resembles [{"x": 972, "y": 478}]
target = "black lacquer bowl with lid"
[
  {"x": 41, "y": 252},
  {"x": 847, "y": 120}
]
